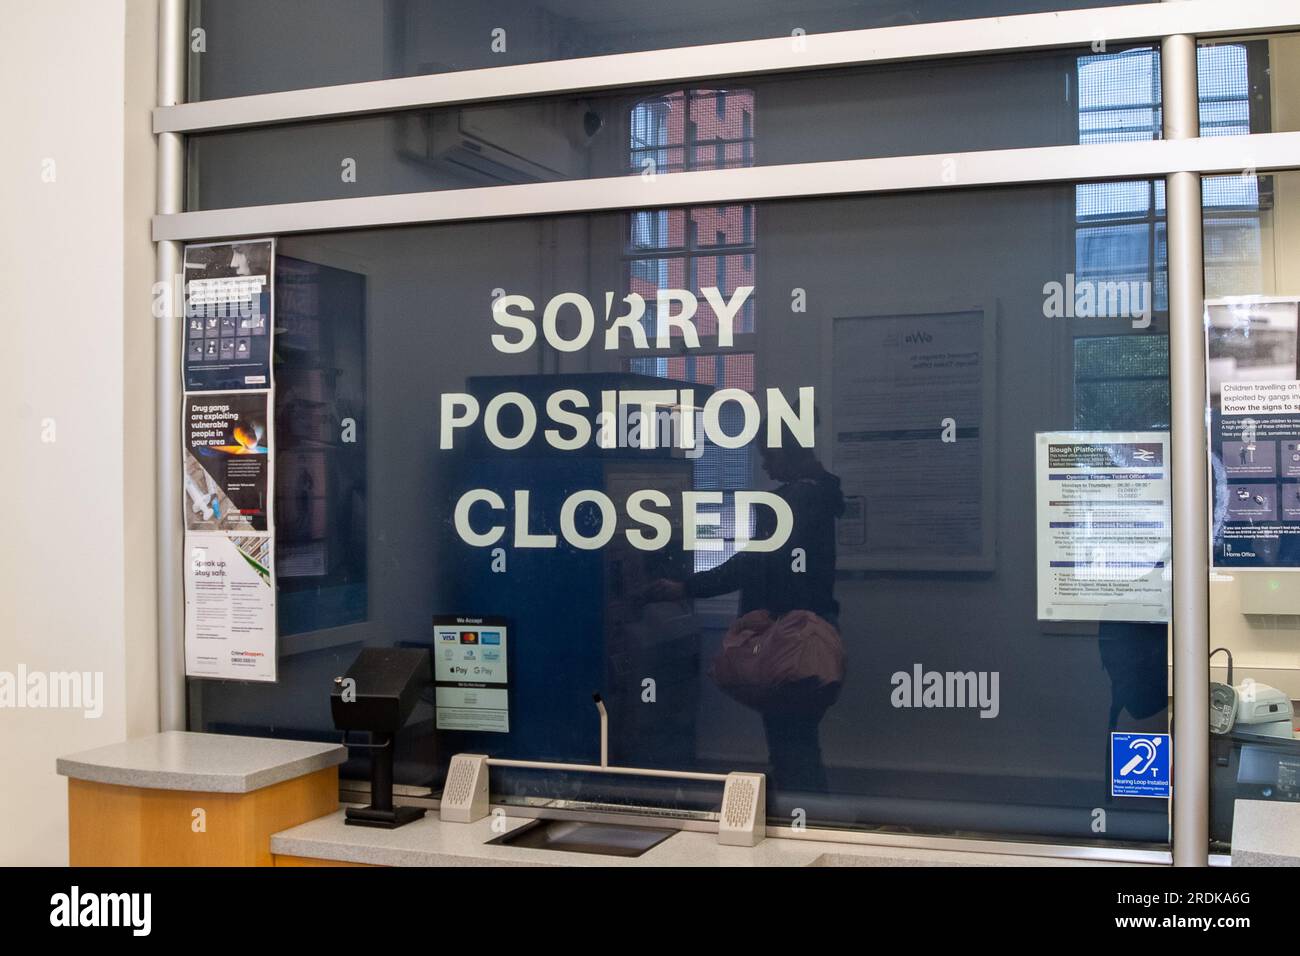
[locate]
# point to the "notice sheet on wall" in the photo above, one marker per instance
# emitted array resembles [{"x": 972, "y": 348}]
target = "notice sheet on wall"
[
  {"x": 471, "y": 682},
  {"x": 911, "y": 404},
  {"x": 1103, "y": 526},
  {"x": 229, "y": 607}
]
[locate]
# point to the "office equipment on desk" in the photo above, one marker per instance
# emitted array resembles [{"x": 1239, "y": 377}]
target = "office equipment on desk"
[
  {"x": 377, "y": 694},
  {"x": 1253, "y": 749}
]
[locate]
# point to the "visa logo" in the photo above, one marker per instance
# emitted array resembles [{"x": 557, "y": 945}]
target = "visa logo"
[{"x": 447, "y": 635}]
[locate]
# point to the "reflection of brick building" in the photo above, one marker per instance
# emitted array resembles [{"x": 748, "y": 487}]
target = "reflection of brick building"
[
  {"x": 706, "y": 245},
  {"x": 691, "y": 248},
  {"x": 719, "y": 133}
]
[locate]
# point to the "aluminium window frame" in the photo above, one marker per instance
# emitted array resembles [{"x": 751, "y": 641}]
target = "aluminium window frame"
[{"x": 1182, "y": 157}]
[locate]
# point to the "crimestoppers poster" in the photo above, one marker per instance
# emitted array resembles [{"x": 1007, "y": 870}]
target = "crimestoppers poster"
[
  {"x": 229, "y": 607},
  {"x": 227, "y": 461}
]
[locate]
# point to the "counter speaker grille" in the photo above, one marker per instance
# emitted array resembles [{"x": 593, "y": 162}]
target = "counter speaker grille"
[
  {"x": 460, "y": 781},
  {"x": 465, "y": 792},
  {"x": 740, "y": 803},
  {"x": 742, "y": 819}
]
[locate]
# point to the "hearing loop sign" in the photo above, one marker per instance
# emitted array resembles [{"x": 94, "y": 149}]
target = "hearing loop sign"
[{"x": 1140, "y": 765}]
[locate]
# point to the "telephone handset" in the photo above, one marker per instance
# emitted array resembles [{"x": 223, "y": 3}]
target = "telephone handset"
[{"x": 1223, "y": 707}]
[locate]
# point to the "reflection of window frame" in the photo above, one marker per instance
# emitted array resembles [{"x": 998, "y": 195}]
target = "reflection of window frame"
[
  {"x": 1152, "y": 104},
  {"x": 660, "y": 105},
  {"x": 1153, "y": 216},
  {"x": 1153, "y": 220},
  {"x": 1250, "y": 83},
  {"x": 1085, "y": 375},
  {"x": 690, "y": 251},
  {"x": 743, "y": 343}
]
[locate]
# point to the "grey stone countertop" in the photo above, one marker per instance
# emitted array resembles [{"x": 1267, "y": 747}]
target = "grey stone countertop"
[
  {"x": 430, "y": 842},
  {"x": 212, "y": 763},
  {"x": 1266, "y": 833}
]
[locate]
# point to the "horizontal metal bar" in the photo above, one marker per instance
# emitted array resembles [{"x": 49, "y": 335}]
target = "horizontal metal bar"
[
  {"x": 1035, "y": 31},
  {"x": 596, "y": 768},
  {"x": 1138, "y": 160}
]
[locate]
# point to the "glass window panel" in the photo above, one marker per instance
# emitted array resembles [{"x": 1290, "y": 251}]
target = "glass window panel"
[
  {"x": 996, "y": 102},
  {"x": 875, "y": 270},
  {"x": 1119, "y": 96},
  {"x": 252, "y": 46},
  {"x": 1252, "y": 254},
  {"x": 1250, "y": 85}
]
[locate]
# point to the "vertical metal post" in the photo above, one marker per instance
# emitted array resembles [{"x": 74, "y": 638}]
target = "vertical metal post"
[
  {"x": 172, "y": 46},
  {"x": 1190, "y": 506}
]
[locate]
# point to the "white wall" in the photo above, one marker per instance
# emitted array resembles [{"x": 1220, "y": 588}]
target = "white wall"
[{"x": 76, "y": 571}]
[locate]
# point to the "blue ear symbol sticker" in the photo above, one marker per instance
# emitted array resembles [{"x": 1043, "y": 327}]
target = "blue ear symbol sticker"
[
  {"x": 1140, "y": 765},
  {"x": 1145, "y": 757}
]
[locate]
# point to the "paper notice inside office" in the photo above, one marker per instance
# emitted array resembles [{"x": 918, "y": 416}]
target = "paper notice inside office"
[
  {"x": 912, "y": 500},
  {"x": 229, "y": 607},
  {"x": 1103, "y": 526}
]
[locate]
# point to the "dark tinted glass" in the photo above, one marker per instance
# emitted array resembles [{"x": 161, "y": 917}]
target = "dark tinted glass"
[
  {"x": 1039, "y": 99},
  {"x": 251, "y": 46},
  {"x": 915, "y": 554}
]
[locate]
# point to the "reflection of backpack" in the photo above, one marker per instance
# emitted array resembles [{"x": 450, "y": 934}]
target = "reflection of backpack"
[{"x": 791, "y": 663}]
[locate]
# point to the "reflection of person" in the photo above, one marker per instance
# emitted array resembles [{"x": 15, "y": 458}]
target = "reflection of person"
[
  {"x": 777, "y": 583},
  {"x": 302, "y": 498},
  {"x": 1135, "y": 657}
]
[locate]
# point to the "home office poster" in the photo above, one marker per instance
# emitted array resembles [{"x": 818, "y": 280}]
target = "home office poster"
[
  {"x": 229, "y": 312},
  {"x": 229, "y": 607},
  {"x": 1103, "y": 526},
  {"x": 1254, "y": 397}
]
